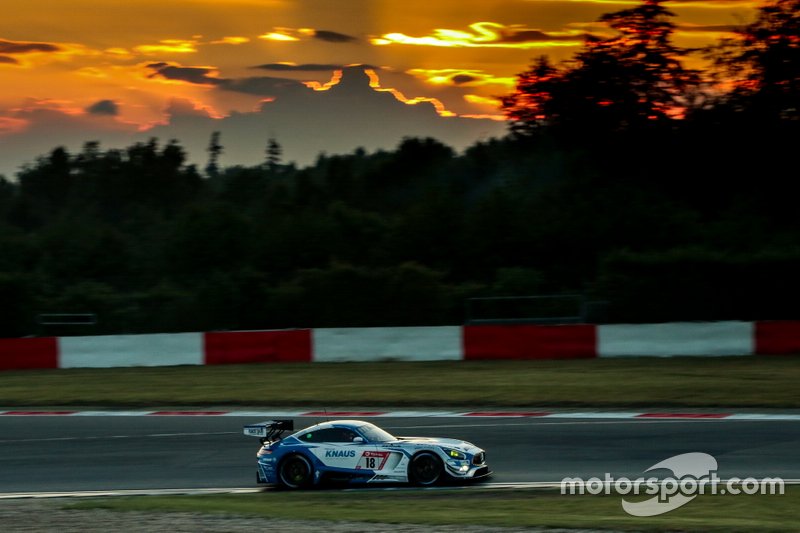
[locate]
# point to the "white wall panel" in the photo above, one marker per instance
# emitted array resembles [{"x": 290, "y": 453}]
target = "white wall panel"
[
  {"x": 131, "y": 350},
  {"x": 438, "y": 343},
  {"x": 679, "y": 338}
]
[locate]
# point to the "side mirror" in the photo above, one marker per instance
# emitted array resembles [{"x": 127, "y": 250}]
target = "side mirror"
[{"x": 358, "y": 440}]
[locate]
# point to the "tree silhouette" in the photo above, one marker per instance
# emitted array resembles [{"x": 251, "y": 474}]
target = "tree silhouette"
[
  {"x": 274, "y": 153},
  {"x": 529, "y": 108},
  {"x": 630, "y": 81},
  {"x": 215, "y": 149},
  {"x": 763, "y": 62}
]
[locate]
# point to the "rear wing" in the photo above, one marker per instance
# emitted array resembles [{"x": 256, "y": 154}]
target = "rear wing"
[{"x": 268, "y": 430}]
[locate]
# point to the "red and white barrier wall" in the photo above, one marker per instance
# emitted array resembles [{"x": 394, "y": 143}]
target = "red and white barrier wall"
[{"x": 439, "y": 343}]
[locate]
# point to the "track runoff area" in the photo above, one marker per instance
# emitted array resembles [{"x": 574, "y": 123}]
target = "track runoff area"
[{"x": 73, "y": 453}]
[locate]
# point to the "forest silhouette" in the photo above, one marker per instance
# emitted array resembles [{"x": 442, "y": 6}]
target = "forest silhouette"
[{"x": 665, "y": 191}]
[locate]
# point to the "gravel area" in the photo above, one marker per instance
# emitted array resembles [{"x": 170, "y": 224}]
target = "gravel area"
[{"x": 49, "y": 515}]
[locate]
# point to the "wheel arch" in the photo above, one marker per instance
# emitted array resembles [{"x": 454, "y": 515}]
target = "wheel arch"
[
  {"x": 440, "y": 462},
  {"x": 310, "y": 460}
]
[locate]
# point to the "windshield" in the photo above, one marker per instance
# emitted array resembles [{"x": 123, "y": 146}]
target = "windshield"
[{"x": 376, "y": 434}]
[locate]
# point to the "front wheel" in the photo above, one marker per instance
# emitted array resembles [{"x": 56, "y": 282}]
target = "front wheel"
[
  {"x": 425, "y": 469},
  {"x": 295, "y": 472}
]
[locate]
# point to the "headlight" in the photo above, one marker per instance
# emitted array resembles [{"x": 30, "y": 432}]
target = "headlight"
[{"x": 455, "y": 454}]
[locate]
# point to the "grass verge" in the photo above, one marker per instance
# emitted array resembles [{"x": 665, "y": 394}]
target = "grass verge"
[
  {"x": 513, "y": 508},
  {"x": 671, "y": 382}
]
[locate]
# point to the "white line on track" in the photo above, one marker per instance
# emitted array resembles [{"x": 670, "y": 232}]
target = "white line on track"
[
  {"x": 133, "y": 492},
  {"x": 513, "y": 422},
  {"x": 103, "y": 437},
  {"x": 537, "y": 422},
  {"x": 541, "y": 485},
  {"x": 478, "y": 414}
]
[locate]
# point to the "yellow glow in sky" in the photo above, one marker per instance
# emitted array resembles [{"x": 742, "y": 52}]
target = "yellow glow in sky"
[{"x": 136, "y": 58}]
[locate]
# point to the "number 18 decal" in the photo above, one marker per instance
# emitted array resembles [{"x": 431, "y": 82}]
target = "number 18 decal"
[{"x": 372, "y": 460}]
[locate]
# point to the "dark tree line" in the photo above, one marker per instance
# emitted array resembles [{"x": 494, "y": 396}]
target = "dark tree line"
[{"x": 664, "y": 191}]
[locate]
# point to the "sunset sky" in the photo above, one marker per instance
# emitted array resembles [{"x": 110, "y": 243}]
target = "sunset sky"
[{"x": 124, "y": 70}]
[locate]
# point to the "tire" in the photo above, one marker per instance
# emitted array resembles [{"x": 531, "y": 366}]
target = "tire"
[
  {"x": 425, "y": 469},
  {"x": 295, "y": 472}
]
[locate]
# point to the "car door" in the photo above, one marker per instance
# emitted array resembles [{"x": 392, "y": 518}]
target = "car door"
[{"x": 337, "y": 447}]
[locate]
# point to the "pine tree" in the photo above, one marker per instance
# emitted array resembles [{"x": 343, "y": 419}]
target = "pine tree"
[
  {"x": 274, "y": 154},
  {"x": 215, "y": 149}
]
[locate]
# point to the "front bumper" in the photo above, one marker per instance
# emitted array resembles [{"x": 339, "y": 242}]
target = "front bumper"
[{"x": 474, "y": 467}]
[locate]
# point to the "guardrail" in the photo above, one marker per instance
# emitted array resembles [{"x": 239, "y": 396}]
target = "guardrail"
[{"x": 436, "y": 343}]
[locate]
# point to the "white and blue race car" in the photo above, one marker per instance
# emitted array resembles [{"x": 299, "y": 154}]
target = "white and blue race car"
[{"x": 354, "y": 451}]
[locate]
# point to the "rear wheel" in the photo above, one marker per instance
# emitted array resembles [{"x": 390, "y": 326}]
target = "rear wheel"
[
  {"x": 425, "y": 469},
  {"x": 295, "y": 472}
]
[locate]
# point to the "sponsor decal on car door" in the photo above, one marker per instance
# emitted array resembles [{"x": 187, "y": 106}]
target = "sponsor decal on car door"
[{"x": 339, "y": 456}]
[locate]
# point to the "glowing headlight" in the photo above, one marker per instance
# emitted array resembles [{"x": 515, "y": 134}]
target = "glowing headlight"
[{"x": 455, "y": 454}]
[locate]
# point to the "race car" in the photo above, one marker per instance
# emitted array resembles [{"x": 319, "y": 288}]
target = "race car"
[{"x": 357, "y": 452}]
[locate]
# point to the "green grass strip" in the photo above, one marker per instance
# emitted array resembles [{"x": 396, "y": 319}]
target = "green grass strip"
[
  {"x": 688, "y": 382},
  {"x": 513, "y": 508}
]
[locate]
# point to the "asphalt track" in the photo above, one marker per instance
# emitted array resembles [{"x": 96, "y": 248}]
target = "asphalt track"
[{"x": 99, "y": 453}]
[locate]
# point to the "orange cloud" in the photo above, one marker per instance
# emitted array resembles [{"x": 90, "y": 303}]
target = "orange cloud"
[
  {"x": 317, "y": 86},
  {"x": 295, "y": 34},
  {"x": 482, "y": 100},
  {"x": 28, "y": 54},
  {"x": 177, "y": 73},
  {"x": 11, "y": 125},
  {"x": 488, "y": 35},
  {"x": 375, "y": 83},
  {"x": 119, "y": 52},
  {"x": 168, "y": 46},
  {"x": 460, "y": 77},
  {"x": 65, "y": 107},
  {"x": 190, "y": 107},
  {"x": 232, "y": 40},
  {"x": 496, "y": 118},
  {"x": 280, "y": 34}
]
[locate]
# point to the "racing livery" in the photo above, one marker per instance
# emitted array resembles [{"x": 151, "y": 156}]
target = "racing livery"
[{"x": 354, "y": 451}]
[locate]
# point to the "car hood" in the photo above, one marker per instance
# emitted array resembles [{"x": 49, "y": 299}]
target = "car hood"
[{"x": 460, "y": 445}]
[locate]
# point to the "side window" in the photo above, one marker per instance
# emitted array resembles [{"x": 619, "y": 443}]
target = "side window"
[
  {"x": 329, "y": 435},
  {"x": 343, "y": 435}
]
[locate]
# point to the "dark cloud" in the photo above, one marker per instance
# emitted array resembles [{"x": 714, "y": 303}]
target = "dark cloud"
[
  {"x": 258, "y": 86},
  {"x": 462, "y": 78},
  {"x": 21, "y": 47},
  {"x": 8, "y": 60},
  {"x": 310, "y": 67},
  {"x": 104, "y": 108},
  {"x": 306, "y": 67},
  {"x": 198, "y": 75},
  {"x": 307, "y": 122},
  {"x": 333, "y": 37},
  {"x": 262, "y": 86},
  {"x": 528, "y": 36}
]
